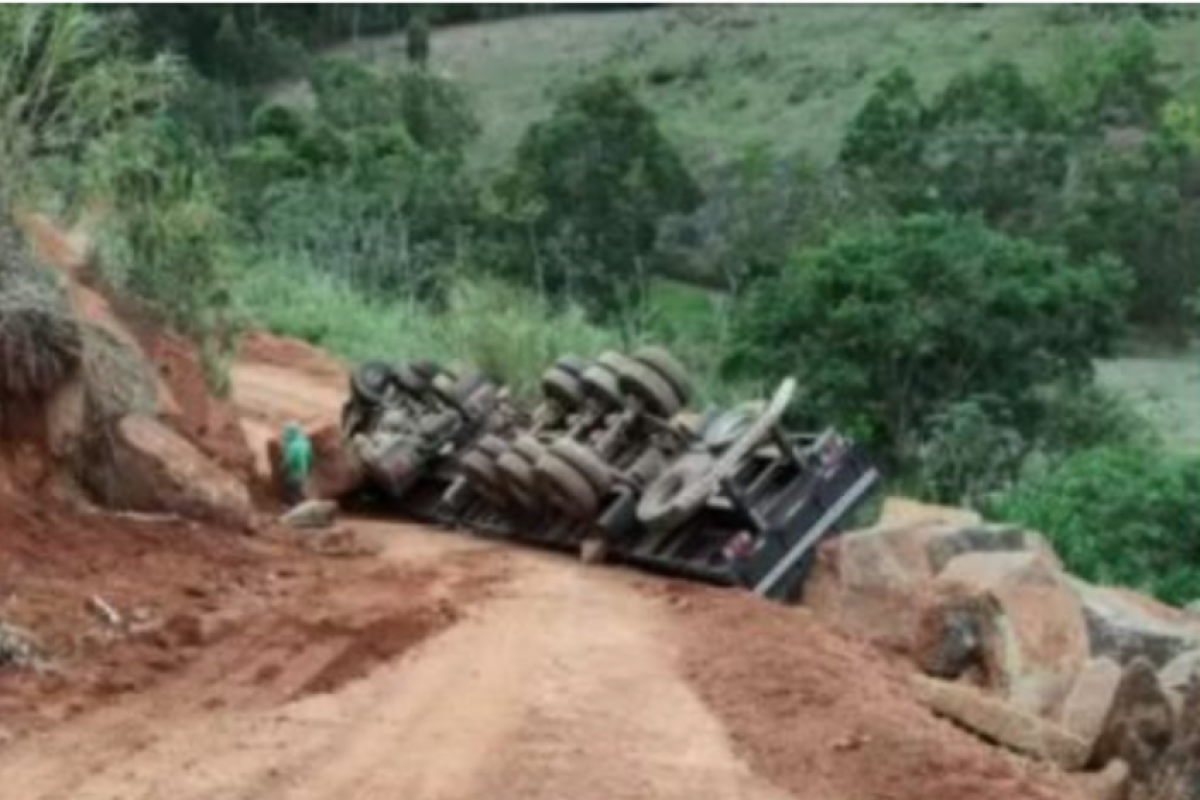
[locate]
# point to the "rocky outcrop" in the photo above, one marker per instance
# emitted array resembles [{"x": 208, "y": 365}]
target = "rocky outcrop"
[
  {"x": 1088, "y": 705},
  {"x": 152, "y": 468},
  {"x": 1124, "y": 626},
  {"x": 1139, "y": 724},
  {"x": 1037, "y": 641},
  {"x": 877, "y": 583},
  {"x": 1002, "y": 723}
]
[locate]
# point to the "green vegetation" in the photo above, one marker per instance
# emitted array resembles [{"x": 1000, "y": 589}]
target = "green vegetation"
[
  {"x": 893, "y": 324},
  {"x": 938, "y": 219},
  {"x": 1125, "y": 516}
]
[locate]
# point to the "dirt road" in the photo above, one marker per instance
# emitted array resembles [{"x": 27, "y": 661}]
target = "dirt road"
[{"x": 445, "y": 667}]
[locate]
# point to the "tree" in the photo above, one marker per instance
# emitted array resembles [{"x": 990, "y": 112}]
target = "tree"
[
  {"x": 889, "y": 325},
  {"x": 591, "y": 185},
  {"x": 989, "y": 143}
]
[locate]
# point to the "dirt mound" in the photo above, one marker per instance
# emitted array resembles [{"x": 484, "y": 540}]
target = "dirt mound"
[
  {"x": 295, "y": 355},
  {"x": 824, "y": 717}
]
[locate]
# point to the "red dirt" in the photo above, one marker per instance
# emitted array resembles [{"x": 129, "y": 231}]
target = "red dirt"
[
  {"x": 824, "y": 717},
  {"x": 211, "y": 423},
  {"x": 297, "y": 356}
]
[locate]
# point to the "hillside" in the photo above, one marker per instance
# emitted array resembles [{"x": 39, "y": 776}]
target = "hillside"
[{"x": 724, "y": 78}]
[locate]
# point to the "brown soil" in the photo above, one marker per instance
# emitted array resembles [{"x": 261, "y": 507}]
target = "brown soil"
[
  {"x": 442, "y": 667},
  {"x": 825, "y": 717}
]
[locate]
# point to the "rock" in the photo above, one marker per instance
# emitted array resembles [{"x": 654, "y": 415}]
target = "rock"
[
  {"x": 1139, "y": 724},
  {"x": 1091, "y": 699},
  {"x": 18, "y": 647},
  {"x": 311, "y": 514},
  {"x": 955, "y": 636},
  {"x": 1041, "y": 641},
  {"x": 988, "y": 539},
  {"x": 154, "y": 469},
  {"x": 1110, "y": 783},
  {"x": 878, "y": 583},
  {"x": 872, "y": 583},
  {"x": 903, "y": 511},
  {"x": 1178, "y": 774},
  {"x": 1002, "y": 723},
  {"x": 1123, "y": 626},
  {"x": 1179, "y": 676}
]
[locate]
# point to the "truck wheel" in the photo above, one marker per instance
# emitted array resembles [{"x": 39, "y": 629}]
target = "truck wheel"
[
  {"x": 370, "y": 380},
  {"x": 479, "y": 469},
  {"x": 572, "y": 365},
  {"x": 493, "y": 445},
  {"x": 563, "y": 388},
  {"x": 601, "y": 383},
  {"x": 585, "y": 461},
  {"x": 670, "y": 500},
  {"x": 566, "y": 488},
  {"x": 528, "y": 448},
  {"x": 665, "y": 364},
  {"x": 516, "y": 473},
  {"x": 651, "y": 388}
]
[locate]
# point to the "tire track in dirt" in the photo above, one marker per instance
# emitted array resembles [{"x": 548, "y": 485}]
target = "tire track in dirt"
[{"x": 560, "y": 683}]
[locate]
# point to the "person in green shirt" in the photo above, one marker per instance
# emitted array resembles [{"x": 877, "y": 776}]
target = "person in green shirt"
[{"x": 297, "y": 463}]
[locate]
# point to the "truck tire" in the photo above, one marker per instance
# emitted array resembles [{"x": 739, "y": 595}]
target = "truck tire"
[
  {"x": 601, "y": 383},
  {"x": 563, "y": 388},
  {"x": 655, "y": 392},
  {"x": 669, "y": 501},
  {"x": 516, "y": 473},
  {"x": 370, "y": 380},
  {"x": 565, "y": 488},
  {"x": 665, "y": 364},
  {"x": 585, "y": 461}
]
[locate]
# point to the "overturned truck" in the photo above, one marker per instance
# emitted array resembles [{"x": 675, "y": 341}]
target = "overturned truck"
[{"x": 610, "y": 464}]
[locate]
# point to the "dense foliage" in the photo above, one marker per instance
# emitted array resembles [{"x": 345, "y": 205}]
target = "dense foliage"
[
  {"x": 591, "y": 185},
  {"x": 1125, "y": 516},
  {"x": 888, "y": 325}
]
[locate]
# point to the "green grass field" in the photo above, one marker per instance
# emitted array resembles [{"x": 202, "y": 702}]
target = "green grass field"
[
  {"x": 724, "y": 78},
  {"x": 727, "y": 78}
]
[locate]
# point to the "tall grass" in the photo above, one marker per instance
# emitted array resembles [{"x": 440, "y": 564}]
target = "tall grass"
[{"x": 507, "y": 332}]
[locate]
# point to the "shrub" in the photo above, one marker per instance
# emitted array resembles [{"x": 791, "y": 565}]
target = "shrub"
[
  {"x": 1125, "y": 516},
  {"x": 68, "y": 78},
  {"x": 989, "y": 143},
  {"x": 888, "y": 325},
  {"x": 168, "y": 240},
  {"x": 590, "y": 187},
  {"x": 40, "y": 341},
  {"x": 969, "y": 451}
]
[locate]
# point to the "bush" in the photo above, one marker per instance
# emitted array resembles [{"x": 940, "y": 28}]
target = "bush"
[
  {"x": 68, "y": 78},
  {"x": 590, "y": 187},
  {"x": 888, "y": 325},
  {"x": 40, "y": 341},
  {"x": 989, "y": 143},
  {"x": 1125, "y": 516},
  {"x": 168, "y": 241}
]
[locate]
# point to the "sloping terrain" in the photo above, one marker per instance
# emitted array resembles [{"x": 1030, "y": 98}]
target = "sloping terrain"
[
  {"x": 723, "y": 78},
  {"x": 446, "y": 667}
]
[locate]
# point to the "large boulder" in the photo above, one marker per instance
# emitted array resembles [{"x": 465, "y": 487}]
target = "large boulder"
[
  {"x": 152, "y": 468},
  {"x": 1038, "y": 642},
  {"x": 1089, "y": 703},
  {"x": 1180, "y": 677},
  {"x": 905, "y": 511},
  {"x": 1178, "y": 773},
  {"x": 877, "y": 583},
  {"x": 1000, "y": 722},
  {"x": 1139, "y": 724},
  {"x": 1123, "y": 626}
]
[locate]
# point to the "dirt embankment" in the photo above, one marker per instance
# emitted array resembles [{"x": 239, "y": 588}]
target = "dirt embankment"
[{"x": 826, "y": 718}]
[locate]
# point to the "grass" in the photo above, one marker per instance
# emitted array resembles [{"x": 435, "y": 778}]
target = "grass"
[
  {"x": 725, "y": 78},
  {"x": 1165, "y": 386}
]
